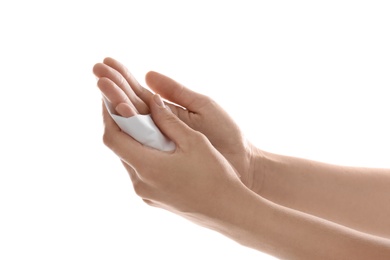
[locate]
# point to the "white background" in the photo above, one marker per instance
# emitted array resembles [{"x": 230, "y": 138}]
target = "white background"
[{"x": 302, "y": 78}]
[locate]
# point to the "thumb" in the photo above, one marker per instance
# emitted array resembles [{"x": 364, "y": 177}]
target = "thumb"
[
  {"x": 167, "y": 122},
  {"x": 174, "y": 91}
]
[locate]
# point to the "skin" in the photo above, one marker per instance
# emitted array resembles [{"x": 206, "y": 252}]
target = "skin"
[
  {"x": 199, "y": 112},
  {"x": 259, "y": 199}
]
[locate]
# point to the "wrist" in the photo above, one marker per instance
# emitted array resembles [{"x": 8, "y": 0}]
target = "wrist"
[{"x": 258, "y": 167}]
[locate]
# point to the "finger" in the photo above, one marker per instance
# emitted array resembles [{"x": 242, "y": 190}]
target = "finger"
[
  {"x": 125, "y": 110},
  {"x": 175, "y": 92},
  {"x": 140, "y": 91},
  {"x": 117, "y": 97},
  {"x": 138, "y": 184},
  {"x": 168, "y": 123},
  {"x": 104, "y": 71},
  {"x": 134, "y": 177},
  {"x": 124, "y": 146}
]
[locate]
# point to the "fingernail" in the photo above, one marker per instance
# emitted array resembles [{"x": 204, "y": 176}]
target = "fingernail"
[{"x": 158, "y": 101}]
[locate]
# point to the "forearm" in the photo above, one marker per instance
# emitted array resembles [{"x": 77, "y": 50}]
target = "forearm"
[
  {"x": 297, "y": 235},
  {"x": 355, "y": 197},
  {"x": 289, "y": 234}
]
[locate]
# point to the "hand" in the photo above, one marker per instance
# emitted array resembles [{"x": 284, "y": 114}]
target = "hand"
[
  {"x": 198, "y": 111},
  {"x": 195, "y": 181}
]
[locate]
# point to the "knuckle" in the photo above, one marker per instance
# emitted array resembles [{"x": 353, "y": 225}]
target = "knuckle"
[
  {"x": 121, "y": 80},
  {"x": 107, "y": 138},
  {"x": 198, "y": 138},
  {"x": 195, "y": 138},
  {"x": 140, "y": 189},
  {"x": 170, "y": 120}
]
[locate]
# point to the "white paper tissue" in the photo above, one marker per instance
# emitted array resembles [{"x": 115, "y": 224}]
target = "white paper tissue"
[{"x": 143, "y": 129}]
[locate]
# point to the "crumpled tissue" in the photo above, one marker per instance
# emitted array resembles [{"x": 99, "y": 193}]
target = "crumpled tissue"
[{"x": 143, "y": 129}]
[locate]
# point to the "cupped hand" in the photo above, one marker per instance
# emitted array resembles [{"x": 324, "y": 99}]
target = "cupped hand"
[
  {"x": 198, "y": 111},
  {"x": 194, "y": 181}
]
